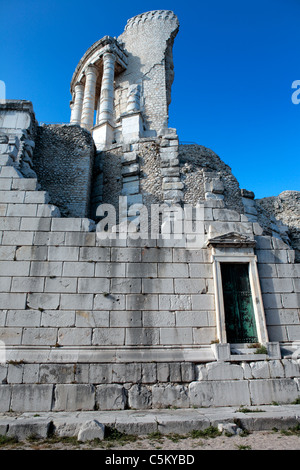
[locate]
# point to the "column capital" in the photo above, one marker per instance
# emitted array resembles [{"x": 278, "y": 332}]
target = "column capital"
[
  {"x": 109, "y": 56},
  {"x": 91, "y": 68},
  {"x": 78, "y": 84}
]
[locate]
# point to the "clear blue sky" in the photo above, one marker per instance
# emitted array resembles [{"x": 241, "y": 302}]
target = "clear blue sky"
[{"x": 235, "y": 62}]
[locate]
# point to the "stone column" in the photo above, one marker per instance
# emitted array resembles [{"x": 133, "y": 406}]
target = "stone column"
[
  {"x": 77, "y": 105},
  {"x": 88, "y": 107},
  {"x": 98, "y": 111},
  {"x": 107, "y": 89}
]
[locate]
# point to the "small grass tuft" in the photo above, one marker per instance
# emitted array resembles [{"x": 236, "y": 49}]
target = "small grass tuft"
[
  {"x": 112, "y": 434},
  {"x": 291, "y": 431},
  {"x": 176, "y": 437},
  {"x": 155, "y": 435},
  {"x": 211, "y": 431},
  {"x": 248, "y": 410},
  {"x": 6, "y": 440}
]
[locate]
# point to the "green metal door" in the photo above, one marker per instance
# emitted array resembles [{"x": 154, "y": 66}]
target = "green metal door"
[{"x": 238, "y": 305}]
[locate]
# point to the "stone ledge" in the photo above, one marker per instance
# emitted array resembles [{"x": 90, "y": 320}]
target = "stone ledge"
[{"x": 67, "y": 424}]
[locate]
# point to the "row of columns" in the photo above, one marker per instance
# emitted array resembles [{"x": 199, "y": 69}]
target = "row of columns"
[{"x": 85, "y": 95}]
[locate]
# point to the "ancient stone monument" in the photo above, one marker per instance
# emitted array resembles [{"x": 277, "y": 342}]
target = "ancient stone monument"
[{"x": 134, "y": 271}]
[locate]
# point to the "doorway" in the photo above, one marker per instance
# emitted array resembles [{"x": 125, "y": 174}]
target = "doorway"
[{"x": 238, "y": 304}]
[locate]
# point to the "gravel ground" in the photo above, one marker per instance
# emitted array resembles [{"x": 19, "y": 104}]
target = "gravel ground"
[{"x": 259, "y": 440}]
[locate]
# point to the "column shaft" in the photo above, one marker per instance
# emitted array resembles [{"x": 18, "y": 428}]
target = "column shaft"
[
  {"x": 77, "y": 105},
  {"x": 88, "y": 107},
  {"x": 107, "y": 89}
]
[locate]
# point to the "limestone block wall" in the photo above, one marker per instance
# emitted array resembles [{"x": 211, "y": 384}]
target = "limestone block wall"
[
  {"x": 91, "y": 323},
  {"x": 279, "y": 278},
  {"x": 94, "y": 324}
]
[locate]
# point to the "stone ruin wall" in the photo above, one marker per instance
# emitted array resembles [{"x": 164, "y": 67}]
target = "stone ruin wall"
[
  {"x": 63, "y": 161},
  {"x": 148, "y": 39},
  {"x": 93, "y": 324},
  {"x": 282, "y": 210}
]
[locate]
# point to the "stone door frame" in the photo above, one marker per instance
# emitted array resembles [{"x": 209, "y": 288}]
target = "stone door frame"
[{"x": 251, "y": 260}]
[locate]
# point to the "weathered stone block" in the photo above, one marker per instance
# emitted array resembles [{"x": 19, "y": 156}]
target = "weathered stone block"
[
  {"x": 39, "y": 428},
  {"x": 5, "y": 397},
  {"x": 140, "y": 270},
  {"x": 108, "y": 336},
  {"x": 203, "y": 302},
  {"x": 31, "y": 397},
  {"x": 176, "y": 336},
  {"x": 56, "y": 373},
  {"x": 31, "y": 373},
  {"x": 97, "y": 285},
  {"x": 291, "y": 368},
  {"x": 73, "y": 397},
  {"x": 149, "y": 372},
  {"x": 139, "y": 397},
  {"x": 187, "y": 371},
  {"x": 42, "y": 301},
  {"x": 76, "y": 301},
  {"x": 273, "y": 390},
  {"x": 78, "y": 269},
  {"x": 109, "y": 302},
  {"x": 94, "y": 254},
  {"x": 11, "y": 336},
  {"x": 24, "y": 210},
  {"x": 277, "y": 285},
  {"x": 27, "y": 284},
  {"x": 159, "y": 318},
  {"x": 94, "y": 318},
  {"x": 23, "y": 318},
  {"x": 39, "y": 336},
  {"x": 91, "y": 430},
  {"x": 100, "y": 373},
  {"x": 125, "y": 286},
  {"x": 110, "y": 397},
  {"x": 63, "y": 253},
  {"x": 7, "y": 253},
  {"x": 47, "y": 210},
  {"x": 15, "y": 373},
  {"x": 226, "y": 215},
  {"x": 204, "y": 335},
  {"x": 170, "y": 395},
  {"x": 142, "y": 336},
  {"x": 125, "y": 319},
  {"x": 189, "y": 286},
  {"x": 14, "y": 268},
  {"x": 13, "y": 301},
  {"x": 35, "y": 223},
  {"x": 224, "y": 371},
  {"x": 260, "y": 369},
  {"x": 110, "y": 269},
  {"x": 5, "y": 283},
  {"x": 219, "y": 393},
  {"x": 175, "y": 302},
  {"x": 17, "y": 238},
  {"x": 276, "y": 369},
  {"x": 159, "y": 286},
  {"x": 142, "y": 302},
  {"x": 58, "y": 318},
  {"x": 126, "y": 373}
]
